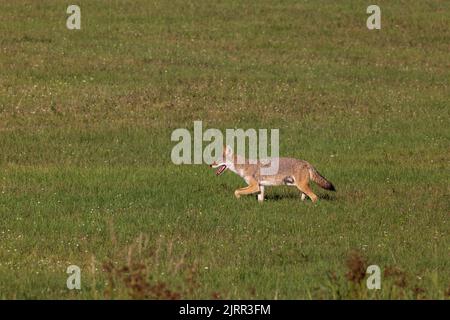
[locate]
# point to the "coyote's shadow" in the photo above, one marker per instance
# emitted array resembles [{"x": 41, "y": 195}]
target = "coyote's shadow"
[{"x": 281, "y": 196}]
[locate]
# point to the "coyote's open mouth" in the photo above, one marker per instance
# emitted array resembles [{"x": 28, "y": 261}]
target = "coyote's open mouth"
[{"x": 221, "y": 170}]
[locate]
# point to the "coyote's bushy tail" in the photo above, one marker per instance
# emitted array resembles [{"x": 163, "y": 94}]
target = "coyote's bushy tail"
[{"x": 320, "y": 180}]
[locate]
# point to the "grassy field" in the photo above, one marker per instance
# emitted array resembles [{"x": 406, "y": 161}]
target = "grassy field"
[{"x": 86, "y": 176}]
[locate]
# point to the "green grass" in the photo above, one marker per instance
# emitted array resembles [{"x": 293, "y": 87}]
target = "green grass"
[{"x": 85, "y": 170}]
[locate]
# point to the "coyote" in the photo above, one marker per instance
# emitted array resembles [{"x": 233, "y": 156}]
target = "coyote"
[{"x": 291, "y": 172}]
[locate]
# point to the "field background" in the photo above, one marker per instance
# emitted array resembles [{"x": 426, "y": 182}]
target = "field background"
[{"x": 85, "y": 171}]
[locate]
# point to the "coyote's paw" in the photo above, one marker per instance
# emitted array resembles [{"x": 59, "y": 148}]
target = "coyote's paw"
[{"x": 236, "y": 194}]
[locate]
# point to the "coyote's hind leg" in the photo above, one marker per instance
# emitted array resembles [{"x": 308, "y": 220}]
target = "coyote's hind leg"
[{"x": 303, "y": 186}]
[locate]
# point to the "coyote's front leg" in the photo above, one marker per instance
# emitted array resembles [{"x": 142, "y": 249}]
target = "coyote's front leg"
[
  {"x": 253, "y": 187},
  {"x": 261, "y": 194}
]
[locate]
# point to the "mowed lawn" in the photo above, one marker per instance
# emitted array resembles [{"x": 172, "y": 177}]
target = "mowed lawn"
[{"x": 86, "y": 177}]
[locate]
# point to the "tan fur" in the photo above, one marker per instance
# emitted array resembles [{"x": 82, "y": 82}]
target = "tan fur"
[{"x": 292, "y": 172}]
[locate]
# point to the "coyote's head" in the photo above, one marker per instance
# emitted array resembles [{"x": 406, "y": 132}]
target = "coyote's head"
[{"x": 224, "y": 162}]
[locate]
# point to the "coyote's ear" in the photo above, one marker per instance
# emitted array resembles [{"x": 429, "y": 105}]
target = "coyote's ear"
[{"x": 228, "y": 150}]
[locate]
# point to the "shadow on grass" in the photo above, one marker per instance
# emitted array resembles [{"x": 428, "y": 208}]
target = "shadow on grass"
[{"x": 281, "y": 196}]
